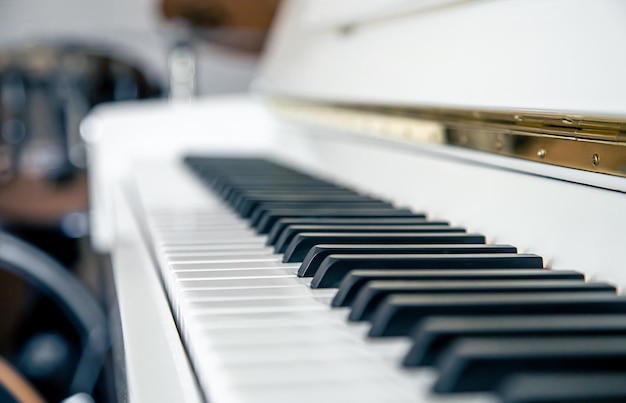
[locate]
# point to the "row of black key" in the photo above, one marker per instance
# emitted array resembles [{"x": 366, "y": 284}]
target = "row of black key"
[{"x": 489, "y": 318}]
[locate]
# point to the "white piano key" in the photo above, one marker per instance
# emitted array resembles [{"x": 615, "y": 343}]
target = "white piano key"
[
  {"x": 219, "y": 216},
  {"x": 174, "y": 255},
  {"x": 216, "y": 213},
  {"x": 195, "y": 224},
  {"x": 205, "y": 294},
  {"x": 254, "y": 293},
  {"x": 306, "y": 389},
  {"x": 239, "y": 282},
  {"x": 198, "y": 261},
  {"x": 263, "y": 320},
  {"x": 209, "y": 235},
  {"x": 239, "y": 241},
  {"x": 277, "y": 356},
  {"x": 198, "y": 225},
  {"x": 328, "y": 365},
  {"x": 224, "y": 222},
  {"x": 231, "y": 272},
  {"x": 224, "y": 219},
  {"x": 304, "y": 332},
  {"x": 182, "y": 280},
  {"x": 374, "y": 391},
  {"x": 254, "y": 246},
  {"x": 287, "y": 303}
]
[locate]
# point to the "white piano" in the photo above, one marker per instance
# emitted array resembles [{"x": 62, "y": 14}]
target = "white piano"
[{"x": 505, "y": 117}]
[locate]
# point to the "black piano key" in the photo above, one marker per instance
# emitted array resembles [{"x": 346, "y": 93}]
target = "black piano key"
[
  {"x": 247, "y": 173},
  {"x": 434, "y": 335},
  {"x": 225, "y": 185},
  {"x": 269, "y": 218},
  {"x": 256, "y": 175},
  {"x": 374, "y": 292},
  {"x": 283, "y": 223},
  {"x": 318, "y": 253},
  {"x": 199, "y": 161},
  {"x": 232, "y": 193},
  {"x": 398, "y": 314},
  {"x": 477, "y": 364},
  {"x": 601, "y": 387},
  {"x": 262, "y": 179},
  {"x": 303, "y": 242},
  {"x": 293, "y": 230},
  {"x": 229, "y": 192},
  {"x": 356, "y": 279},
  {"x": 265, "y": 178},
  {"x": 246, "y": 205},
  {"x": 335, "y": 267},
  {"x": 261, "y": 209},
  {"x": 265, "y": 222},
  {"x": 238, "y": 195}
]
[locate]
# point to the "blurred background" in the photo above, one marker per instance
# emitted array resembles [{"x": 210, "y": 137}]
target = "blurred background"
[{"x": 57, "y": 61}]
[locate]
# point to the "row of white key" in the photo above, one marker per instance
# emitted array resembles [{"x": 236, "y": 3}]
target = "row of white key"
[{"x": 255, "y": 332}]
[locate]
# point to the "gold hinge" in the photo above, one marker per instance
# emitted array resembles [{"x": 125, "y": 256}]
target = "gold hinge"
[{"x": 590, "y": 143}]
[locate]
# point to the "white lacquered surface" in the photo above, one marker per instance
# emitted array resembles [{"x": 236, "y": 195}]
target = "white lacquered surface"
[{"x": 502, "y": 54}]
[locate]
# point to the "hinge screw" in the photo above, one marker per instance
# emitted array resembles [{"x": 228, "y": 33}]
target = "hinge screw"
[
  {"x": 541, "y": 153},
  {"x": 595, "y": 160}
]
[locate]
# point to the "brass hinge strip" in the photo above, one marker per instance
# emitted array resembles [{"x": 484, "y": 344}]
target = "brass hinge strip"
[{"x": 590, "y": 143}]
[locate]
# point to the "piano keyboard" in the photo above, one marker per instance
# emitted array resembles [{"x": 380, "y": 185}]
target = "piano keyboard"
[{"x": 287, "y": 288}]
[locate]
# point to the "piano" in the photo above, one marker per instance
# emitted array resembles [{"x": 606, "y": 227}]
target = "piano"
[{"x": 257, "y": 242}]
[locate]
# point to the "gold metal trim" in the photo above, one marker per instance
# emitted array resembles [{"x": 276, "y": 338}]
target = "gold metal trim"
[{"x": 590, "y": 143}]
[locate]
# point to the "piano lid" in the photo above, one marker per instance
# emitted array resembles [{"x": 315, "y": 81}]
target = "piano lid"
[
  {"x": 549, "y": 55},
  {"x": 535, "y": 79}
]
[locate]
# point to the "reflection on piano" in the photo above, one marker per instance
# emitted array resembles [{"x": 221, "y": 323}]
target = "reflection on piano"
[{"x": 392, "y": 228}]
